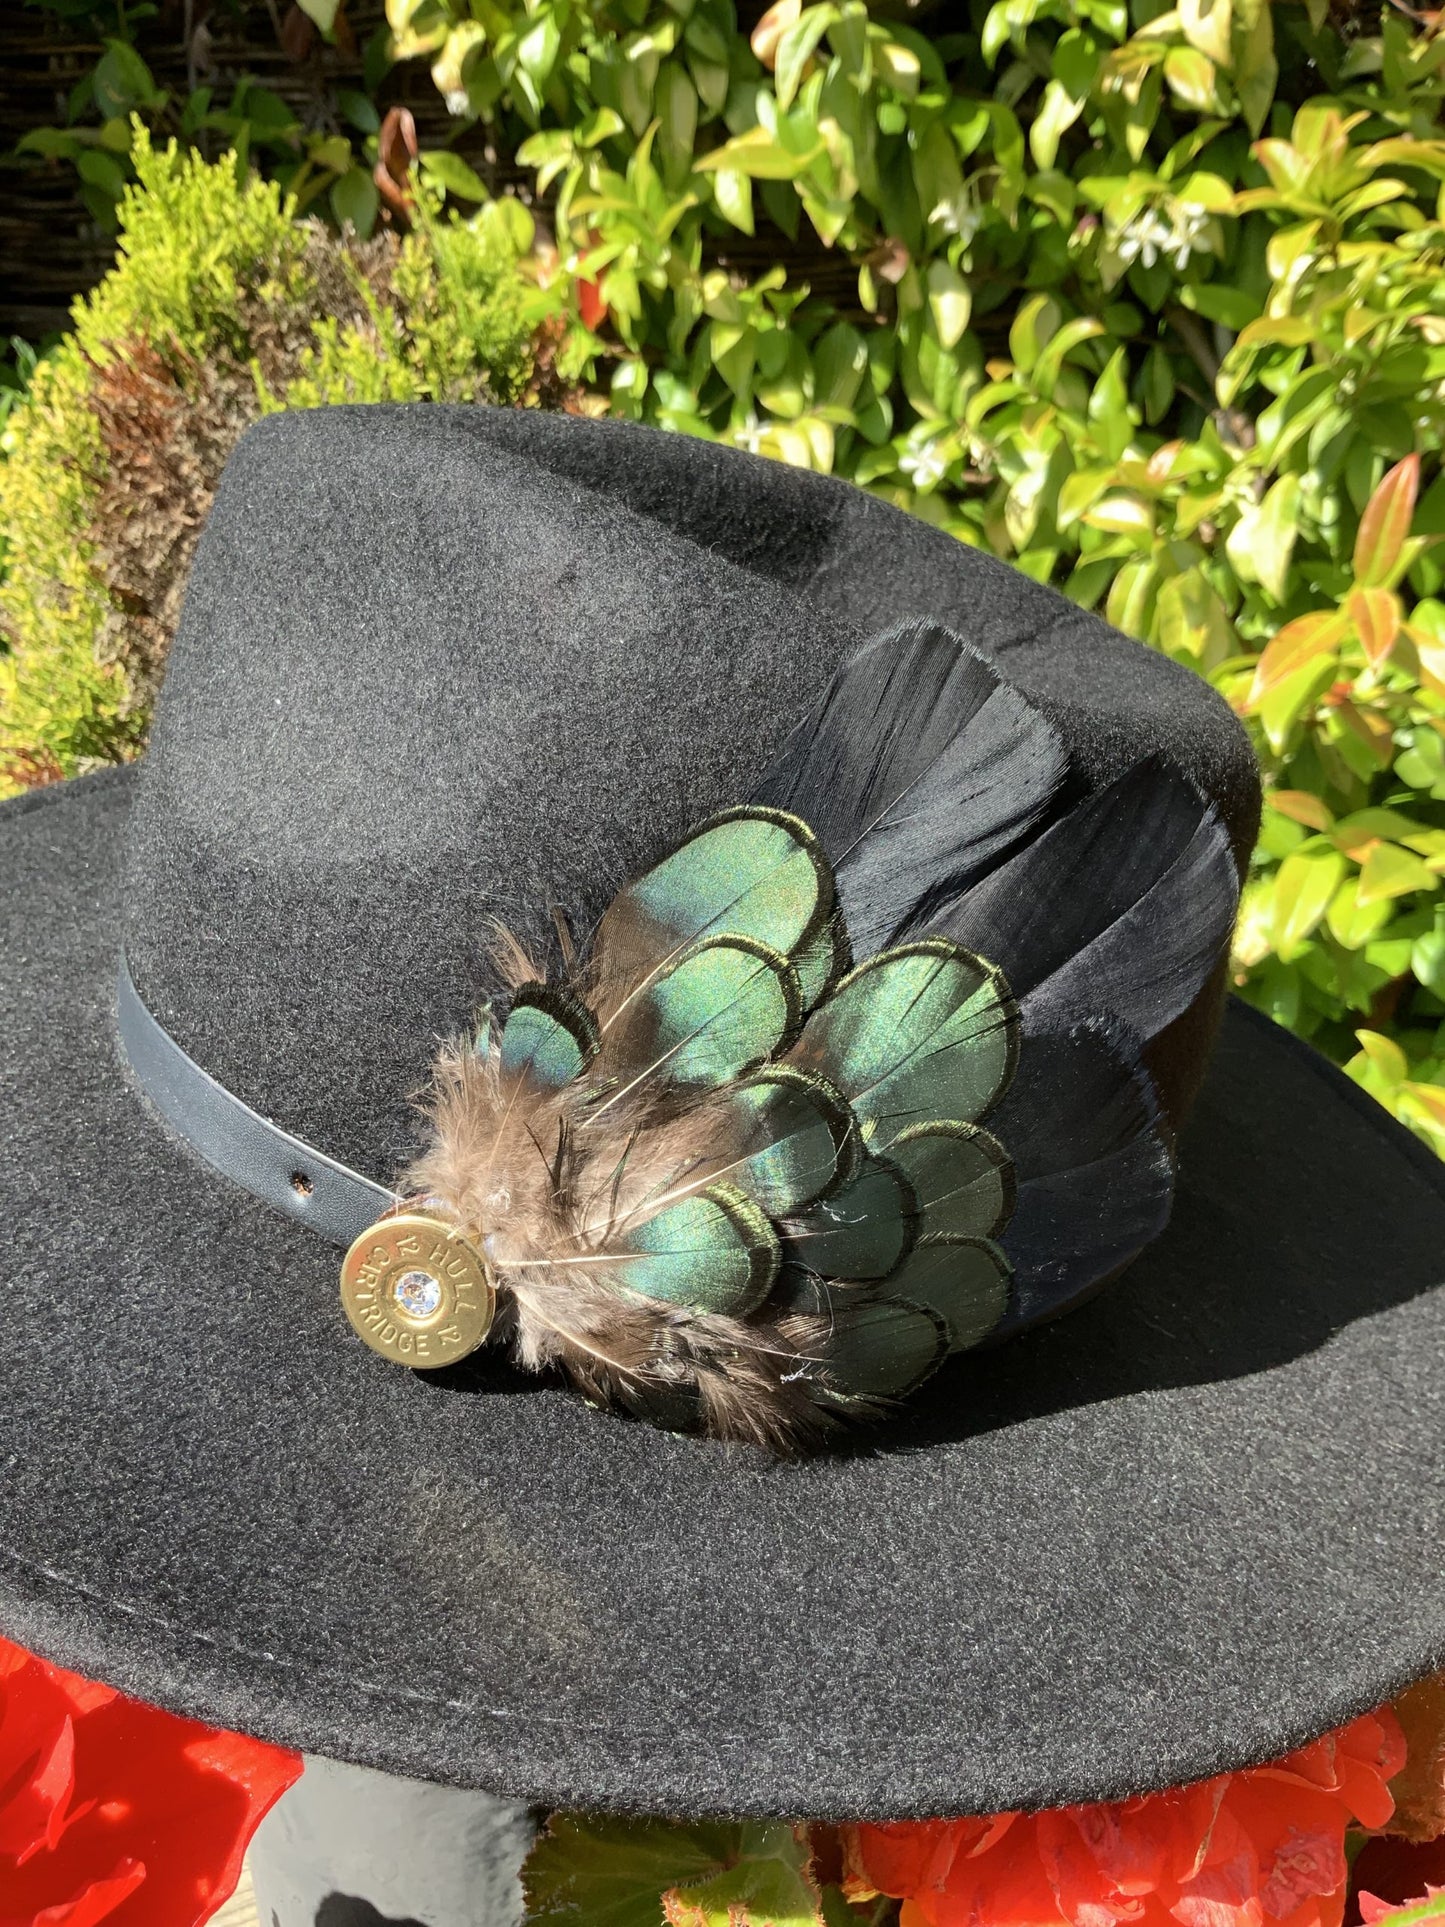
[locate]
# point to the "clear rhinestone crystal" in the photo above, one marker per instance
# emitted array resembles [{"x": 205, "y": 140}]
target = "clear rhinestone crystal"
[{"x": 417, "y": 1294}]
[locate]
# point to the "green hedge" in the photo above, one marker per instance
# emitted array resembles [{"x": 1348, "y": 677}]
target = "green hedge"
[{"x": 222, "y": 306}]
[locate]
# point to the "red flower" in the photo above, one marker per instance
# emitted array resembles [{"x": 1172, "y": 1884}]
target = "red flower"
[
  {"x": 1244, "y": 1850},
  {"x": 113, "y": 1811}
]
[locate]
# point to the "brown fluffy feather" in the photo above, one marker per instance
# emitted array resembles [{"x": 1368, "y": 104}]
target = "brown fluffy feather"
[{"x": 546, "y": 1183}]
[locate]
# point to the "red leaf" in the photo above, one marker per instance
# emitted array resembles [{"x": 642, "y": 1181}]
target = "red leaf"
[
  {"x": 1299, "y": 643},
  {"x": 1386, "y": 522},
  {"x": 1376, "y": 614}
]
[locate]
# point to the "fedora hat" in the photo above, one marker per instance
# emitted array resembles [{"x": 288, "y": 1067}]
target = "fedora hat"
[{"x": 1171, "y": 1502}]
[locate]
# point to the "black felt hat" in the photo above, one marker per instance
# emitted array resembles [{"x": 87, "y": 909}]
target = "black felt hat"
[{"x": 441, "y": 664}]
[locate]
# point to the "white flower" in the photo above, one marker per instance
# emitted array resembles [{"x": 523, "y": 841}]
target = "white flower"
[
  {"x": 1191, "y": 224},
  {"x": 456, "y": 100},
  {"x": 1149, "y": 236},
  {"x": 962, "y": 216},
  {"x": 1144, "y": 238},
  {"x": 925, "y": 465},
  {"x": 749, "y": 435}
]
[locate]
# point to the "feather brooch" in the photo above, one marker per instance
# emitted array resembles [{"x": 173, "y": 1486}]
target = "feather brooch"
[{"x": 851, "y": 1080}]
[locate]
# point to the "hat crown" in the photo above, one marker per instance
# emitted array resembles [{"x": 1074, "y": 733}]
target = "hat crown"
[
  {"x": 439, "y": 666},
  {"x": 420, "y": 685}
]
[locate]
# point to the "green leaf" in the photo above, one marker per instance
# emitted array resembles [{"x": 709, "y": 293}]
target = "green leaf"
[
  {"x": 1352, "y": 923},
  {"x": 1307, "y": 640},
  {"x": 734, "y": 355},
  {"x": 1121, "y": 514},
  {"x": 1032, "y": 326},
  {"x": 899, "y": 67},
  {"x": 769, "y": 1886},
  {"x": 123, "y": 82},
  {"x": 598, "y": 127},
  {"x": 53, "y": 143},
  {"x": 676, "y": 106},
  {"x": 1256, "y": 71},
  {"x": 840, "y": 362},
  {"x": 452, "y": 174},
  {"x": 1191, "y": 78},
  {"x": 1273, "y": 539},
  {"x": 1389, "y": 871},
  {"x": 949, "y": 303},
  {"x": 733, "y": 193},
  {"x": 332, "y": 152},
  {"x": 354, "y": 199},
  {"x": 761, "y": 156},
  {"x": 1208, "y": 25},
  {"x": 837, "y": 1912},
  {"x": 323, "y": 12},
  {"x": 796, "y": 48},
  {"x": 1077, "y": 59},
  {"x": 1230, "y": 307},
  {"x": 1384, "y": 1058},
  {"x": 597, "y": 1872},
  {"x": 1427, "y": 956},
  {"x": 360, "y": 111},
  {"x": 1059, "y": 346},
  {"x": 1193, "y": 621},
  {"x": 1109, "y": 406},
  {"x": 1422, "y": 763},
  {"x": 600, "y": 1872},
  {"x": 1303, "y": 887},
  {"x": 104, "y": 171},
  {"x": 1057, "y": 112}
]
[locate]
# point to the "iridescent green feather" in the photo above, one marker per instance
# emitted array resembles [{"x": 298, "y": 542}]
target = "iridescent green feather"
[
  {"x": 965, "y": 1282},
  {"x": 863, "y": 1346},
  {"x": 725, "y": 1007},
  {"x": 960, "y": 1178},
  {"x": 824, "y": 1173},
  {"x": 865, "y": 1230},
  {"x": 752, "y": 873},
  {"x": 794, "y": 1140},
  {"x": 713, "y": 1252},
  {"x": 884, "y": 1349},
  {"x": 915, "y": 1034},
  {"x": 549, "y": 1037}
]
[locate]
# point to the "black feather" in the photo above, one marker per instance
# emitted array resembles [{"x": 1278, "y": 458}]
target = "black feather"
[
  {"x": 1120, "y": 909},
  {"x": 918, "y": 771},
  {"x": 1095, "y": 1178}
]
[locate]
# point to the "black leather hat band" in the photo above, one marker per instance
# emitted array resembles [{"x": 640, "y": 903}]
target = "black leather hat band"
[{"x": 238, "y": 1142}]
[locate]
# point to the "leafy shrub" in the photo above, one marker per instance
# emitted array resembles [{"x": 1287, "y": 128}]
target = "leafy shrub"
[
  {"x": 1147, "y": 301},
  {"x": 222, "y": 306}
]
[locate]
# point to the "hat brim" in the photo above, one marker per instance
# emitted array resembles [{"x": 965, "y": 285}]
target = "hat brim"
[{"x": 1178, "y": 1531}]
